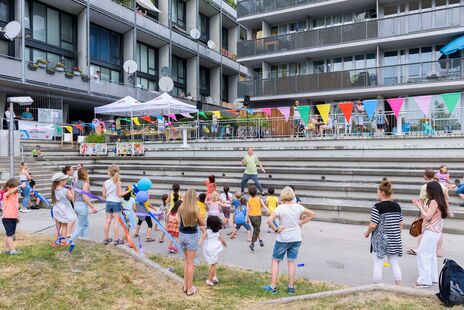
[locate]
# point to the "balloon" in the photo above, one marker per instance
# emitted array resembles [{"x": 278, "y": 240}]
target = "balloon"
[
  {"x": 144, "y": 184},
  {"x": 141, "y": 197}
]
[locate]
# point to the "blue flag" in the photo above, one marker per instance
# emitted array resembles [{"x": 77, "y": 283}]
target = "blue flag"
[{"x": 370, "y": 106}]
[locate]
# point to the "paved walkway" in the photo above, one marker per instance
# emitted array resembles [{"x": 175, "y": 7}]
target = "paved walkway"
[{"x": 330, "y": 252}]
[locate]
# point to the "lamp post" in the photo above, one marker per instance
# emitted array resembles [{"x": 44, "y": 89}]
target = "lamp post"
[{"x": 23, "y": 101}]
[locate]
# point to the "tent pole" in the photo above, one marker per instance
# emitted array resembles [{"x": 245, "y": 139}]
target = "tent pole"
[
  {"x": 132, "y": 126},
  {"x": 198, "y": 125}
]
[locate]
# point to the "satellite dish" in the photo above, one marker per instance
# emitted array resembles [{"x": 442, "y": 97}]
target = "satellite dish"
[
  {"x": 195, "y": 33},
  {"x": 211, "y": 44},
  {"x": 165, "y": 84},
  {"x": 165, "y": 71},
  {"x": 130, "y": 66},
  {"x": 11, "y": 30}
]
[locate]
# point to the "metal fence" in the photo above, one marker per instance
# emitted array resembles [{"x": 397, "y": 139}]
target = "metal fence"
[{"x": 249, "y": 7}]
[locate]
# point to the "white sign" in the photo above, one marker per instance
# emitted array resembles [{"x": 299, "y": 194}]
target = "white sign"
[
  {"x": 50, "y": 116},
  {"x": 130, "y": 149},
  {"x": 93, "y": 149},
  {"x": 36, "y": 130}
]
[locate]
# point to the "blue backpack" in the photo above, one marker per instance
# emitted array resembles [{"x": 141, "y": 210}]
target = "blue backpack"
[
  {"x": 451, "y": 284},
  {"x": 240, "y": 215}
]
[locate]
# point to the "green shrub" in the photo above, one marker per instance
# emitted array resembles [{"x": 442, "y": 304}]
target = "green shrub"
[{"x": 94, "y": 138}]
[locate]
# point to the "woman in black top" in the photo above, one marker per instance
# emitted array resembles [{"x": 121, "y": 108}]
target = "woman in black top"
[{"x": 386, "y": 226}]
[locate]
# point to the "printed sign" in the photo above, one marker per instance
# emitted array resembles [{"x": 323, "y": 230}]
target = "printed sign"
[
  {"x": 130, "y": 149},
  {"x": 50, "y": 116},
  {"x": 93, "y": 149},
  {"x": 36, "y": 130}
]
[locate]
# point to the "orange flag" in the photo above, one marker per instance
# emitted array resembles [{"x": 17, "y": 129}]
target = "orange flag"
[{"x": 347, "y": 109}]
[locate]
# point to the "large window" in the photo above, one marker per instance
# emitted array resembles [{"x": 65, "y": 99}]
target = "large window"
[
  {"x": 179, "y": 75},
  {"x": 4, "y": 11},
  {"x": 204, "y": 28},
  {"x": 225, "y": 88},
  {"x": 204, "y": 83},
  {"x": 147, "y": 74},
  {"x": 34, "y": 54},
  {"x": 105, "y": 74},
  {"x": 105, "y": 54},
  {"x": 5, "y": 14},
  {"x": 225, "y": 38},
  {"x": 178, "y": 13}
]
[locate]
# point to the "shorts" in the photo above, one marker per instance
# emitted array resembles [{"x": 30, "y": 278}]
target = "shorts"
[
  {"x": 10, "y": 226},
  {"x": 174, "y": 234},
  {"x": 247, "y": 226},
  {"x": 113, "y": 207},
  {"x": 189, "y": 242},
  {"x": 146, "y": 219},
  {"x": 291, "y": 248},
  {"x": 381, "y": 126},
  {"x": 226, "y": 212},
  {"x": 460, "y": 189}
]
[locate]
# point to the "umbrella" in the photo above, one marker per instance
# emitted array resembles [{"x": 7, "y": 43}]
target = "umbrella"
[{"x": 453, "y": 46}]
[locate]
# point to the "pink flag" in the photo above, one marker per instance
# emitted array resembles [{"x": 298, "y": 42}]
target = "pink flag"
[
  {"x": 396, "y": 104},
  {"x": 172, "y": 116},
  {"x": 267, "y": 111},
  {"x": 424, "y": 103},
  {"x": 285, "y": 112}
]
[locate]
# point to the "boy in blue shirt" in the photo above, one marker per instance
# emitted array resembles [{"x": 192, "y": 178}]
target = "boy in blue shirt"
[{"x": 241, "y": 220}]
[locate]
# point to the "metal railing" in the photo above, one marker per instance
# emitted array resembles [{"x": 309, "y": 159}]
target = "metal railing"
[
  {"x": 359, "y": 31},
  {"x": 413, "y": 73},
  {"x": 250, "y": 7}
]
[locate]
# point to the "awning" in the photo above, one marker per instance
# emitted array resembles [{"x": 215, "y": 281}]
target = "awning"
[
  {"x": 147, "y": 4},
  {"x": 453, "y": 46}
]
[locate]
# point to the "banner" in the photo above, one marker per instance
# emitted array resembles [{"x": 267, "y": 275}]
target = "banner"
[
  {"x": 136, "y": 120},
  {"x": 202, "y": 114},
  {"x": 304, "y": 113},
  {"x": 93, "y": 149},
  {"x": 217, "y": 114},
  {"x": 68, "y": 128},
  {"x": 78, "y": 126},
  {"x": 36, "y": 130},
  {"x": 285, "y": 112},
  {"x": 370, "y": 106},
  {"x": 424, "y": 103},
  {"x": 147, "y": 119},
  {"x": 172, "y": 116},
  {"x": 267, "y": 111},
  {"x": 130, "y": 148},
  {"x": 160, "y": 117},
  {"x": 396, "y": 104},
  {"x": 451, "y": 100},
  {"x": 347, "y": 110},
  {"x": 324, "y": 110}
]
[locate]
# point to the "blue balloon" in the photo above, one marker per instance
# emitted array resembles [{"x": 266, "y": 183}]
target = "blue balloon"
[
  {"x": 144, "y": 184},
  {"x": 141, "y": 197}
]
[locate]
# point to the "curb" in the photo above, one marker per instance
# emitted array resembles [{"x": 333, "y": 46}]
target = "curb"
[{"x": 357, "y": 289}]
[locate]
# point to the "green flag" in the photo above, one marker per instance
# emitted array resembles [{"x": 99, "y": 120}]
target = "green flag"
[
  {"x": 451, "y": 99},
  {"x": 304, "y": 113},
  {"x": 202, "y": 114}
]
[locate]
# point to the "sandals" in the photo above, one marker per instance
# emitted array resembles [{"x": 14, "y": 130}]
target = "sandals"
[
  {"x": 161, "y": 241},
  {"x": 149, "y": 240},
  {"x": 118, "y": 242},
  {"x": 193, "y": 292},
  {"x": 411, "y": 252},
  {"x": 107, "y": 241},
  {"x": 136, "y": 235}
]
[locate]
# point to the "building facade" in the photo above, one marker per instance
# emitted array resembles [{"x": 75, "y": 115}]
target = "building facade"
[
  {"x": 72, "y": 54},
  {"x": 328, "y": 51}
]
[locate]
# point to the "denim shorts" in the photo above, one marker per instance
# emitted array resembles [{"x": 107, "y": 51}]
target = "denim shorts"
[
  {"x": 291, "y": 248},
  {"x": 460, "y": 189},
  {"x": 247, "y": 226},
  {"x": 10, "y": 226},
  {"x": 189, "y": 242},
  {"x": 113, "y": 207}
]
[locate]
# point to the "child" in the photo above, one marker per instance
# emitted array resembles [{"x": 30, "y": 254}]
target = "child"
[
  {"x": 174, "y": 195},
  {"x": 210, "y": 185},
  {"x": 128, "y": 208},
  {"x": 36, "y": 152},
  {"x": 34, "y": 202},
  {"x": 141, "y": 209},
  {"x": 202, "y": 205},
  {"x": 163, "y": 211},
  {"x": 443, "y": 177},
  {"x": 226, "y": 199},
  {"x": 236, "y": 200},
  {"x": 271, "y": 202},
  {"x": 214, "y": 204},
  {"x": 10, "y": 216},
  {"x": 297, "y": 198},
  {"x": 240, "y": 219},
  {"x": 253, "y": 215},
  {"x": 63, "y": 211},
  {"x": 173, "y": 226},
  {"x": 214, "y": 243}
]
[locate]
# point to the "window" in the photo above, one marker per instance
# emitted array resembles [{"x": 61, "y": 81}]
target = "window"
[
  {"x": 337, "y": 64},
  {"x": 34, "y": 54},
  {"x": 179, "y": 72},
  {"x": 178, "y": 13},
  {"x": 147, "y": 60},
  {"x": 319, "y": 66},
  {"x": 225, "y": 38},
  {"x": 204, "y": 28},
  {"x": 4, "y": 11},
  {"x": 146, "y": 83},
  {"x": 105, "y": 74},
  {"x": 204, "y": 83},
  {"x": 225, "y": 88},
  {"x": 105, "y": 45}
]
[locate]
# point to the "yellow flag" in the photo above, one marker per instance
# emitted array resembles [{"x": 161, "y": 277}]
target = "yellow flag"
[
  {"x": 324, "y": 110},
  {"x": 68, "y": 128},
  {"x": 217, "y": 113},
  {"x": 136, "y": 121}
]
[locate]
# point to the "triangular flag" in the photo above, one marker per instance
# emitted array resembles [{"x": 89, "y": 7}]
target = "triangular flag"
[
  {"x": 90, "y": 125},
  {"x": 136, "y": 120},
  {"x": 79, "y": 126},
  {"x": 202, "y": 114},
  {"x": 172, "y": 116},
  {"x": 186, "y": 115},
  {"x": 267, "y": 111},
  {"x": 370, "y": 106},
  {"x": 396, "y": 104},
  {"x": 159, "y": 117},
  {"x": 68, "y": 128},
  {"x": 451, "y": 99},
  {"x": 217, "y": 114},
  {"x": 304, "y": 113},
  {"x": 125, "y": 119},
  {"x": 324, "y": 110},
  {"x": 103, "y": 125},
  {"x": 232, "y": 111},
  {"x": 285, "y": 112},
  {"x": 347, "y": 110},
  {"x": 424, "y": 103},
  {"x": 147, "y": 118},
  {"x": 250, "y": 111}
]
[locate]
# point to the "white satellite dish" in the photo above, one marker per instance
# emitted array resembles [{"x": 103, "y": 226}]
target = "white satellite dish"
[
  {"x": 211, "y": 44},
  {"x": 130, "y": 66},
  {"x": 12, "y": 30},
  {"x": 195, "y": 33},
  {"x": 165, "y": 84}
]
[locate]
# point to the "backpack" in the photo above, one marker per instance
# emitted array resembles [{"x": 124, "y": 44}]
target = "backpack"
[
  {"x": 451, "y": 284},
  {"x": 240, "y": 215}
]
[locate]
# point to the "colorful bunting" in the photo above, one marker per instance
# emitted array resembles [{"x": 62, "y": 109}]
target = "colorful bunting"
[
  {"x": 232, "y": 111},
  {"x": 172, "y": 116},
  {"x": 324, "y": 110},
  {"x": 147, "y": 118},
  {"x": 186, "y": 115},
  {"x": 396, "y": 104},
  {"x": 370, "y": 106},
  {"x": 125, "y": 119},
  {"x": 451, "y": 99},
  {"x": 90, "y": 125},
  {"x": 250, "y": 111},
  {"x": 136, "y": 120},
  {"x": 68, "y": 128},
  {"x": 217, "y": 114},
  {"x": 285, "y": 112},
  {"x": 159, "y": 117},
  {"x": 424, "y": 103},
  {"x": 79, "y": 126},
  {"x": 267, "y": 111},
  {"x": 304, "y": 113},
  {"x": 202, "y": 114},
  {"x": 347, "y": 109}
]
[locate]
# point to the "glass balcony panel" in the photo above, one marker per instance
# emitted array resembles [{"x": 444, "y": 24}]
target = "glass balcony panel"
[
  {"x": 441, "y": 18},
  {"x": 330, "y": 36},
  {"x": 427, "y": 20},
  {"x": 307, "y": 39},
  {"x": 246, "y": 48},
  {"x": 287, "y": 42},
  {"x": 414, "y": 23},
  {"x": 354, "y": 32},
  {"x": 330, "y": 80},
  {"x": 372, "y": 29},
  {"x": 307, "y": 83},
  {"x": 285, "y": 85},
  {"x": 268, "y": 87}
]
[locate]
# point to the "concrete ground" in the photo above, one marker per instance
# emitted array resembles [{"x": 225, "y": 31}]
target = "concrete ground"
[{"x": 330, "y": 252}]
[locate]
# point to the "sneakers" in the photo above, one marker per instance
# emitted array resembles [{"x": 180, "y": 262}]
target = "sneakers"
[
  {"x": 209, "y": 283},
  {"x": 419, "y": 285},
  {"x": 215, "y": 280},
  {"x": 25, "y": 211},
  {"x": 172, "y": 250},
  {"x": 269, "y": 289},
  {"x": 261, "y": 243},
  {"x": 252, "y": 247},
  {"x": 291, "y": 290},
  {"x": 16, "y": 252}
]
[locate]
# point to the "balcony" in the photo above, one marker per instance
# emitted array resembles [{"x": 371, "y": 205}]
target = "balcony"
[
  {"x": 56, "y": 80},
  {"x": 409, "y": 74},
  {"x": 118, "y": 90},
  {"x": 250, "y": 7},
  {"x": 14, "y": 67},
  {"x": 122, "y": 12},
  {"x": 374, "y": 29}
]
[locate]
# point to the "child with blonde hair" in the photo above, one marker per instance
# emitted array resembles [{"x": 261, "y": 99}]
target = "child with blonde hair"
[
  {"x": 215, "y": 204},
  {"x": 63, "y": 211}
]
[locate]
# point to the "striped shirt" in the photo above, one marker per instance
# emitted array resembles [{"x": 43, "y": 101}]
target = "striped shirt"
[
  {"x": 432, "y": 219},
  {"x": 386, "y": 238}
]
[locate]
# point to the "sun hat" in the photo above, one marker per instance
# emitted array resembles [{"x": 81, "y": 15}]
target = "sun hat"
[{"x": 60, "y": 176}]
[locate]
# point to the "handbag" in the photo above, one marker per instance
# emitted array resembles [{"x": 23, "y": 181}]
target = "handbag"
[{"x": 416, "y": 227}]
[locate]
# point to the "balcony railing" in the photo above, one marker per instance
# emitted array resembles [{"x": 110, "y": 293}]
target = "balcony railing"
[
  {"x": 413, "y": 73},
  {"x": 250, "y": 7},
  {"x": 373, "y": 29}
]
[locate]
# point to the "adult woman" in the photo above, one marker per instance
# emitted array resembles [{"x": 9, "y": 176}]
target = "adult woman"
[
  {"x": 24, "y": 178},
  {"x": 291, "y": 217},
  {"x": 189, "y": 219},
  {"x": 81, "y": 205},
  {"x": 432, "y": 212},
  {"x": 386, "y": 226}
]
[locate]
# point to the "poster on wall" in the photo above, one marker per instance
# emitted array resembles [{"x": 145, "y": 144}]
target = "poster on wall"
[
  {"x": 93, "y": 149},
  {"x": 53, "y": 116},
  {"x": 130, "y": 149},
  {"x": 36, "y": 130}
]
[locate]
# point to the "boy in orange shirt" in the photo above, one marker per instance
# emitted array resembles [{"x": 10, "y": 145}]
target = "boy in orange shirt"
[
  {"x": 253, "y": 215},
  {"x": 10, "y": 214}
]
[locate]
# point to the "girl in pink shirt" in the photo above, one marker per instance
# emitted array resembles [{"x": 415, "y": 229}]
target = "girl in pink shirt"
[{"x": 10, "y": 213}]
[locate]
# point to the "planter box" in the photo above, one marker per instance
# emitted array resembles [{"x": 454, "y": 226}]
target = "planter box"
[{"x": 93, "y": 149}]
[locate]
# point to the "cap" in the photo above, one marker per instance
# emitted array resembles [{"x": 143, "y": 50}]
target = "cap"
[{"x": 60, "y": 176}]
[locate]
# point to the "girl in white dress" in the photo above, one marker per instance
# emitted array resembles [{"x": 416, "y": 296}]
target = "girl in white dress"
[
  {"x": 214, "y": 243},
  {"x": 62, "y": 209}
]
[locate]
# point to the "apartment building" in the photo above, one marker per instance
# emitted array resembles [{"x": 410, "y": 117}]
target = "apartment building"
[{"x": 71, "y": 55}]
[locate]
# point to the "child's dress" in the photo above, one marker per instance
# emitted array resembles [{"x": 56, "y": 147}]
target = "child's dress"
[
  {"x": 128, "y": 213},
  {"x": 62, "y": 210},
  {"x": 173, "y": 225},
  {"x": 442, "y": 177},
  {"x": 210, "y": 187},
  {"x": 214, "y": 209},
  {"x": 212, "y": 247}
]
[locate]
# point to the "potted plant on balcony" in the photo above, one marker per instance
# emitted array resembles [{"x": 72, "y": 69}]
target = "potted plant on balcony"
[
  {"x": 60, "y": 66},
  {"x": 42, "y": 63},
  {"x": 69, "y": 74},
  {"x": 32, "y": 66},
  {"x": 50, "y": 70},
  {"x": 85, "y": 78},
  {"x": 76, "y": 70}
]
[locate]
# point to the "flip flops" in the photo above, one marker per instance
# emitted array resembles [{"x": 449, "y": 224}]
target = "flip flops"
[{"x": 411, "y": 252}]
